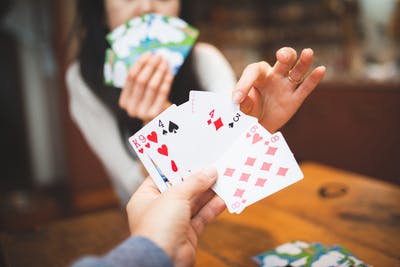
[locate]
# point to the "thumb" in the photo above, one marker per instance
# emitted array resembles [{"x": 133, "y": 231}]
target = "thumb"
[{"x": 197, "y": 183}]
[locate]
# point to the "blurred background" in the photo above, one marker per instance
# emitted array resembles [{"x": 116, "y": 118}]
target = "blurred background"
[{"x": 351, "y": 122}]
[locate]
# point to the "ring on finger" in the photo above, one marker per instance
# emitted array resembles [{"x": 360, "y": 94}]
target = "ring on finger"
[{"x": 294, "y": 80}]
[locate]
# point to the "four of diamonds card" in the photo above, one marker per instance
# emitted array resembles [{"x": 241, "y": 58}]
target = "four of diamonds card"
[{"x": 210, "y": 130}]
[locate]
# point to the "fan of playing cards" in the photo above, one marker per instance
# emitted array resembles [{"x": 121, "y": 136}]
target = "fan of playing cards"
[
  {"x": 210, "y": 130},
  {"x": 300, "y": 253},
  {"x": 170, "y": 37}
]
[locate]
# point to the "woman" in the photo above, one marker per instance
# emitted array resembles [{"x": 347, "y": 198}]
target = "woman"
[{"x": 108, "y": 116}]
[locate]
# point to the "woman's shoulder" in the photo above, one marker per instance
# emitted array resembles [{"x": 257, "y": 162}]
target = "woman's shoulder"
[
  {"x": 76, "y": 85},
  {"x": 212, "y": 68},
  {"x": 73, "y": 72},
  {"x": 202, "y": 49}
]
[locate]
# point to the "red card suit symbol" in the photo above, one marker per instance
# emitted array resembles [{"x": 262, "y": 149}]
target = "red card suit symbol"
[
  {"x": 163, "y": 150},
  {"x": 173, "y": 166},
  {"x": 141, "y": 150},
  {"x": 248, "y": 135},
  {"x": 147, "y": 145},
  {"x": 218, "y": 124},
  {"x": 152, "y": 137},
  {"x": 256, "y": 138}
]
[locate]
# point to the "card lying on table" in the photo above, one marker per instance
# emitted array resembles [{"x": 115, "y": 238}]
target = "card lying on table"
[
  {"x": 171, "y": 37},
  {"x": 210, "y": 130},
  {"x": 303, "y": 254}
]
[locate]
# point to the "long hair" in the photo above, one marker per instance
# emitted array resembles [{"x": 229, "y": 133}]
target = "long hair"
[{"x": 92, "y": 28}]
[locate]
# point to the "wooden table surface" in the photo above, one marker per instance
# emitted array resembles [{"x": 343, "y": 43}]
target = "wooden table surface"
[{"x": 330, "y": 206}]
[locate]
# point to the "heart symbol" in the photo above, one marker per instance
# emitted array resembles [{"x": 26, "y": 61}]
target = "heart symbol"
[
  {"x": 147, "y": 145},
  {"x": 248, "y": 135},
  {"x": 152, "y": 137},
  {"x": 173, "y": 166},
  {"x": 141, "y": 150},
  {"x": 163, "y": 150},
  {"x": 256, "y": 138}
]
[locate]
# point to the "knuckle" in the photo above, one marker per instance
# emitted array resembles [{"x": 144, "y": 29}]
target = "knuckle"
[
  {"x": 141, "y": 82},
  {"x": 153, "y": 112},
  {"x": 252, "y": 67},
  {"x": 132, "y": 112},
  {"x": 133, "y": 72},
  {"x": 152, "y": 86},
  {"x": 143, "y": 114}
]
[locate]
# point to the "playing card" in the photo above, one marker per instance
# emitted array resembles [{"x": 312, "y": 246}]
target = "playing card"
[
  {"x": 210, "y": 130},
  {"x": 115, "y": 70},
  {"x": 218, "y": 124},
  {"x": 337, "y": 256},
  {"x": 257, "y": 165},
  {"x": 303, "y": 254},
  {"x": 295, "y": 254},
  {"x": 277, "y": 169},
  {"x": 170, "y": 37},
  {"x": 152, "y": 142}
]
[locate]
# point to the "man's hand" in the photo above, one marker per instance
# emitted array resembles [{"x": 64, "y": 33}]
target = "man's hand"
[{"x": 175, "y": 219}]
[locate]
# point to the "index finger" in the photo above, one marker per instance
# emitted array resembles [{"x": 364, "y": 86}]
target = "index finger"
[{"x": 250, "y": 75}]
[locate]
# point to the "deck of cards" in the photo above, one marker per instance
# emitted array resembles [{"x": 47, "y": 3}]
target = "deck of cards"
[
  {"x": 170, "y": 37},
  {"x": 303, "y": 254},
  {"x": 210, "y": 130}
]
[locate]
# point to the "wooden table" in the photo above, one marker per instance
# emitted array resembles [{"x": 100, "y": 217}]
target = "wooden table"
[{"x": 330, "y": 206}]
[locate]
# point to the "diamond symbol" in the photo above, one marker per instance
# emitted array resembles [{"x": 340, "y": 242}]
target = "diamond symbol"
[
  {"x": 260, "y": 182},
  {"x": 266, "y": 166},
  {"x": 244, "y": 177},
  {"x": 250, "y": 161},
  {"x": 282, "y": 171},
  {"x": 238, "y": 193},
  {"x": 218, "y": 124},
  {"x": 209, "y": 122},
  {"x": 229, "y": 172},
  {"x": 271, "y": 150}
]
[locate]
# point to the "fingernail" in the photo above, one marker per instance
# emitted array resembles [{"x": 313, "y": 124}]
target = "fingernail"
[
  {"x": 284, "y": 53},
  {"x": 309, "y": 50},
  {"x": 210, "y": 171},
  {"x": 237, "y": 96}
]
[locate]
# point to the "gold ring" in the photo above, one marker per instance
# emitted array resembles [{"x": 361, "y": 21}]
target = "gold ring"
[{"x": 293, "y": 80}]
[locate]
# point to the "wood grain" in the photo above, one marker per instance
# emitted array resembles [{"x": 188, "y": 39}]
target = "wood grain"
[{"x": 362, "y": 214}]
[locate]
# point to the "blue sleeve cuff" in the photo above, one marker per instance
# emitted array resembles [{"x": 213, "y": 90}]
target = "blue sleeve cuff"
[{"x": 133, "y": 252}]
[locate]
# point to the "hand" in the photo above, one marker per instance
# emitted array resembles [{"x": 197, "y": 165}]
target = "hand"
[
  {"x": 175, "y": 219},
  {"x": 274, "y": 94},
  {"x": 145, "y": 94}
]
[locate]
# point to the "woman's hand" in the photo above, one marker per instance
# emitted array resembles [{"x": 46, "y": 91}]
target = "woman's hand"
[
  {"x": 146, "y": 91},
  {"x": 274, "y": 94}
]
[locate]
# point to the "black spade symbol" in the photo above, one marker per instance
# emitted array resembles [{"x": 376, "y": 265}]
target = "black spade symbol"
[{"x": 172, "y": 128}]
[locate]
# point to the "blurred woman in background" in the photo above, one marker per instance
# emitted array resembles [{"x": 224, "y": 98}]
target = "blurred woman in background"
[{"x": 107, "y": 116}]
